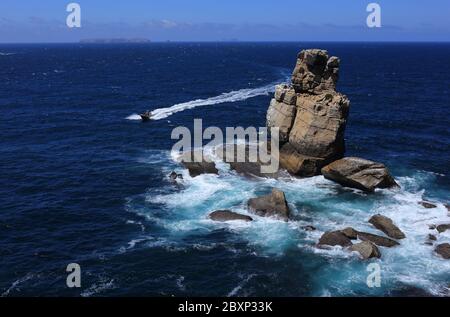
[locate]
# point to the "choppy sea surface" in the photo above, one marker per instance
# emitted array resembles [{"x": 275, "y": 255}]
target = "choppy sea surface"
[{"x": 83, "y": 181}]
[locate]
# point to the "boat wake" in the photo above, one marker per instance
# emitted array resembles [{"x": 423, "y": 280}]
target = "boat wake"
[{"x": 233, "y": 96}]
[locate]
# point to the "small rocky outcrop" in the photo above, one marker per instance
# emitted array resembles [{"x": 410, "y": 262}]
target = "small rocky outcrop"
[
  {"x": 272, "y": 205},
  {"x": 443, "y": 227},
  {"x": 366, "y": 249},
  {"x": 198, "y": 164},
  {"x": 386, "y": 225},
  {"x": 239, "y": 156},
  {"x": 350, "y": 233},
  {"x": 378, "y": 240},
  {"x": 310, "y": 114},
  {"x": 333, "y": 238},
  {"x": 443, "y": 250},
  {"x": 309, "y": 228},
  {"x": 359, "y": 173},
  {"x": 447, "y": 206},
  {"x": 227, "y": 215},
  {"x": 174, "y": 176},
  {"x": 427, "y": 204}
]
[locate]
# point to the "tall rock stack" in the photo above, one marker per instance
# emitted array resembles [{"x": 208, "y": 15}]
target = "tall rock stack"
[{"x": 310, "y": 114}]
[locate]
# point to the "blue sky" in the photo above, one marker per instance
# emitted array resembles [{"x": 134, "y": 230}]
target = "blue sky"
[{"x": 210, "y": 20}]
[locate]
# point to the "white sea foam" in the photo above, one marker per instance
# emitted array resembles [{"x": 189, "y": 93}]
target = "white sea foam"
[
  {"x": 6, "y": 54},
  {"x": 134, "y": 116},
  {"x": 323, "y": 204}
]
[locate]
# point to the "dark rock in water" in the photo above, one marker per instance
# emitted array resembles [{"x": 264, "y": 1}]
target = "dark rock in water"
[
  {"x": 443, "y": 227},
  {"x": 432, "y": 227},
  {"x": 198, "y": 164},
  {"x": 366, "y": 249},
  {"x": 359, "y": 173},
  {"x": 432, "y": 237},
  {"x": 378, "y": 240},
  {"x": 272, "y": 205},
  {"x": 333, "y": 238},
  {"x": 298, "y": 164},
  {"x": 427, "y": 204},
  {"x": 309, "y": 228},
  {"x": 386, "y": 225},
  {"x": 173, "y": 176},
  {"x": 227, "y": 215},
  {"x": 447, "y": 206},
  {"x": 443, "y": 250},
  {"x": 241, "y": 159},
  {"x": 350, "y": 233}
]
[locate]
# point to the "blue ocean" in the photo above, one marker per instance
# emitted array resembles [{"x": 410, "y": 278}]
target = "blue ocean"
[{"x": 84, "y": 181}]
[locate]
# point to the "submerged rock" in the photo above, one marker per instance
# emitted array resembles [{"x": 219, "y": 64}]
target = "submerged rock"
[
  {"x": 378, "y": 240},
  {"x": 366, "y": 249},
  {"x": 333, "y": 238},
  {"x": 427, "y": 204},
  {"x": 227, "y": 215},
  {"x": 350, "y": 233},
  {"x": 309, "y": 228},
  {"x": 443, "y": 227},
  {"x": 443, "y": 250},
  {"x": 386, "y": 225},
  {"x": 359, "y": 173},
  {"x": 198, "y": 164},
  {"x": 174, "y": 176},
  {"x": 272, "y": 205},
  {"x": 447, "y": 206}
]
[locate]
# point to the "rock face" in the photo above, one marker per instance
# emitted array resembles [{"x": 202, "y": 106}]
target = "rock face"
[
  {"x": 350, "y": 233},
  {"x": 378, "y": 240},
  {"x": 310, "y": 114},
  {"x": 272, "y": 205},
  {"x": 315, "y": 72},
  {"x": 227, "y": 215},
  {"x": 359, "y": 173},
  {"x": 443, "y": 250},
  {"x": 427, "y": 204},
  {"x": 443, "y": 227},
  {"x": 387, "y": 226},
  {"x": 366, "y": 249},
  {"x": 197, "y": 164},
  {"x": 333, "y": 238}
]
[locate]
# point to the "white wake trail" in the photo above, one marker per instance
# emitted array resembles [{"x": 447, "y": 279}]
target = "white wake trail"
[{"x": 232, "y": 96}]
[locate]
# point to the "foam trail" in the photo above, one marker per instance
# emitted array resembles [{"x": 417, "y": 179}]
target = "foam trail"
[
  {"x": 232, "y": 96},
  {"x": 134, "y": 116}
]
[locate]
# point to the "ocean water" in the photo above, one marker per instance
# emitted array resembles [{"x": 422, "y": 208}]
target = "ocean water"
[{"x": 83, "y": 181}]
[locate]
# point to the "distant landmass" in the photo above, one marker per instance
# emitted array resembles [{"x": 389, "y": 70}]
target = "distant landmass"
[{"x": 115, "y": 41}]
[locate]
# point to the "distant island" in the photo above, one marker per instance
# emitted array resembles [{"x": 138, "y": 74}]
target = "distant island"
[{"x": 114, "y": 41}]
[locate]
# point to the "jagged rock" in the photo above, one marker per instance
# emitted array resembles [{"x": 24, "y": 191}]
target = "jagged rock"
[
  {"x": 359, "y": 173},
  {"x": 245, "y": 165},
  {"x": 272, "y": 205},
  {"x": 378, "y": 240},
  {"x": 298, "y": 164},
  {"x": 332, "y": 238},
  {"x": 315, "y": 72},
  {"x": 432, "y": 237},
  {"x": 309, "y": 228},
  {"x": 197, "y": 163},
  {"x": 174, "y": 176},
  {"x": 443, "y": 227},
  {"x": 427, "y": 204},
  {"x": 319, "y": 126},
  {"x": 285, "y": 94},
  {"x": 227, "y": 215},
  {"x": 386, "y": 225},
  {"x": 366, "y": 249},
  {"x": 281, "y": 115},
  {"x": 443, "y": 250},
  {"x": 350, "y": 233}
]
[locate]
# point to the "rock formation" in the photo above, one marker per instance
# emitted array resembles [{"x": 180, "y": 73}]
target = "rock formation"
[
  {"x": 443, "y": 227},
  {"x": 386, "y": 225},
  {"x": 378, "y": 240},
  {"x": 350, "y": 233},
  {"x": 359, "y": 173},
  {"x": 366, "y": 249},
  {"x": 443, "y": 250},
  {"x": 227, "y": 215},
  {"x": 333, "y": 238},
  {"x": 198, "y": 164},
  {"x": 272, "y": 205},
  {"x": 310, "y": 114}
]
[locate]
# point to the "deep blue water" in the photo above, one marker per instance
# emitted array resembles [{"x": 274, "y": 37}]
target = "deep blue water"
[{"x": 82, "y": 183}]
